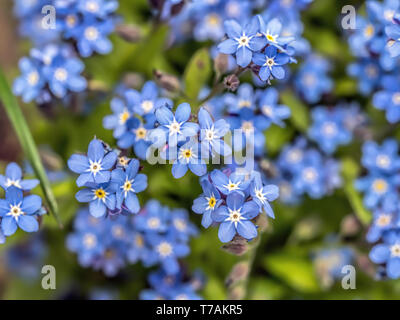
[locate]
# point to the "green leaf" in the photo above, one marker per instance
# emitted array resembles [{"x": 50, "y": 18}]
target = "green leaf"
[
  {"x": 276, "y": 137},
  {"x": 27, "y": 143},
  {"x": 350, "y": 171},
  {"x": 299, "y": 112},
  {"x": 297, "y": 272},
  {"x": 197, "y": 73}
]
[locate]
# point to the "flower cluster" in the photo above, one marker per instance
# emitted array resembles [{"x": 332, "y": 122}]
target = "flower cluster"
[
  {"x": 156, "y": 236},
  {"x": 381, "y": 195},
  {"x": 108, "y": 187},
  {"x": 53, "y": 68},
  {"x": 258, "y": 43},
  {"x": 234, "y": 200},
  {"x": 18, "y": 210},
  {"x": 172, "y": 287},
  {"x": 375, "y": 44},
  {"x": 305, "y": 170}
]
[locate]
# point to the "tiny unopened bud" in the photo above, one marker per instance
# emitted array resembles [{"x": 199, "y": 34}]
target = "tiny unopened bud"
[
  {"x": 231, "y": 82},
  {"x": 350, "y": 226},
  {"x": 129, "y": 32},
  {"x": 156, "y": 4},
  {"x": 133, "y": 80},
  {"x": 239, "y": 272},
  {"x": 221, "y": 63},
  {"x": 238, "y": 246},
  {"x": 177, "y": 8},
  {"x": 167, "y": 81},
  {"x": 237, "y": 293}
]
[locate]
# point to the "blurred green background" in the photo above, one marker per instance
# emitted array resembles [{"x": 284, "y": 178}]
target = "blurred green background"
[{"x": 282, "y": 269}]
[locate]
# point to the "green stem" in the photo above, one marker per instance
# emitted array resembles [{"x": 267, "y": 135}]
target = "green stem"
[{"x": 27, "y": 143}]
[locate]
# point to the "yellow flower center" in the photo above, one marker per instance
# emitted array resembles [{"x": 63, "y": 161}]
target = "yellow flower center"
[
  {"x": 124, "y": 116},
  {"x": 164, "y": 249},
  {"x": 380, "y": 186},
  {"x": 141, "y": 133},
  {"x": 100, "y": 193},
  {"x": 91, "y": 33}
]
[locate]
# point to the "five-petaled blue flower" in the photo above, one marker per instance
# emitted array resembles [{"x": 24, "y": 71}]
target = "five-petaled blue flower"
[
  {"x": 235, "y": 182},
  {"x": 208, "y": 201},
  {"x": 174, "y": 128},
  {"x": 236, "y": 217},
  {"x": 129, "y": 183},
  {"x": 13, "y": 177},
  {"x": 243, "y": 41},
  {"x": 100, "y": 197},
  {"x": 17, "y": 211},
  {"x": 211, "y": 134},
  {"x": 271, "y": 63},
  {"x": 95, "y": 167},
  {"x": 263, "y": 194}
]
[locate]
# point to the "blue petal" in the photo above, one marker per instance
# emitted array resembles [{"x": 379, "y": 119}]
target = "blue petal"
[
  {"x": 226, "y": 231},
  {"x": 243, "y": 56},
  {"x": 97, "y": 208},
  {"x": 31, "y": 204},
  {"x": 182, "y": 113},
  {"x": 14, "y": 195},
  {"x": 205, "y": 120},
  {"x": 28, "y": 185},
  {"x": 109, "y": 160},
  {"x": 132, "y": 203},
  {"x": 95, "y": 150},
  {"x": 28, "y": 224},
  {"x": 140, "y": 183},
  {"x": 83, "y": 179},
  {"x": 380, "y": 253},
  {"x": 199, "y": 169},
  {"x": 393, "y": 268},
  {"x": 235, "y": 200},
  {"x": 164, "y": 115},
  {"x": 228, "y": 46},
  {"x": 102, "y": 177},
  {"x": 9, "y": 225},
  {"x": 84, "y": 195},
  {"x": 13, "y": 171},
  {"x": 247, "y": 230},
  {"x": 179, "y": 170},
  {"x": 233, "y": 29},
  {"x": 78, "y": 163}
]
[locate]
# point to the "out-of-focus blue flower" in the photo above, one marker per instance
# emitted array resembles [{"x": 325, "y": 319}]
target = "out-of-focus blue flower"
[
  {"x": 376, "y": 188},
  {"x": 169, "y": 287},
  {"x": 388, "y": 252},
  {"x": 207, "y": 202},
  {"x": 263, "y": 194},
  {"x": 383, "y": 220},
  {"x": 30, "y": 84},
  {"x": 95, "y": 167},
  {"x": 13, "y": 177},
  {"x": 310, "y": 177},
  {"x": 251, "y": 132},
  {"x": 243, "y": 99},
  {"x": 242, "y": 41},
  {"x": 328, "y": 129},
  {"x": 311, "y": 81},
  {"x": 98, "y": 8},
  {"x": 91, "y": 36},
  {"x": 168, "y": 250},
  {"x": 19, "y": 211},
  {"x": 63, "y": 75},
  {"x": 389, "y": 98},
  {"x": 236, "y": 217},
  {"x": 269, "y": 107},
  {"x": 328, "y": 263},
  {"x": 211, "y": 134},
  {"x": 129, "y": 183},
  {"x": 383, "y": 158},
  {"x": 368, "y": 73}
]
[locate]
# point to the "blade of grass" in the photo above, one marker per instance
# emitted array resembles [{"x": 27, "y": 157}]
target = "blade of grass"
[{"x": 28, "y": 145}]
